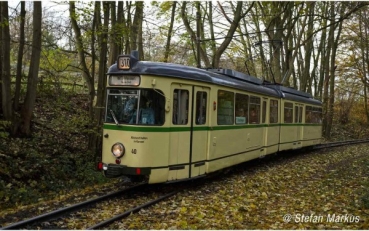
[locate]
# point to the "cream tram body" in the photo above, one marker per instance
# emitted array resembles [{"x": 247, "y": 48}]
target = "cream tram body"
[{"x": 204, "y": 121}]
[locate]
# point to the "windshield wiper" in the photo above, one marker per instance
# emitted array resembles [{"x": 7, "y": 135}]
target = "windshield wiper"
[{"x": 115, "y": 118}]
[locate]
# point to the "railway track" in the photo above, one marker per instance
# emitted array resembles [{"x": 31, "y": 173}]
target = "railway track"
[
  {"x": 49, "y": 220},
  {"x": 40, "y": 220},
  {"x": 34, "y": 221},
  {"x": 340, "y": 143},
  {"x": 133, "y": 210}
]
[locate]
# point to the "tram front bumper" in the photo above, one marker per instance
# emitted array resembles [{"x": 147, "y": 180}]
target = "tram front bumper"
[{"x": 114, "y": 170}]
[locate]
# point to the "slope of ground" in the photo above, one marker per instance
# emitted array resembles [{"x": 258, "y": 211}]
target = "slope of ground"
[{"x": 55, "y": 159}]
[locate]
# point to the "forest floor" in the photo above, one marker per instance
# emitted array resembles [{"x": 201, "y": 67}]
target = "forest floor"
[
  {"x": 317, "y": 190},
  {"x": 54, "y": 165}
]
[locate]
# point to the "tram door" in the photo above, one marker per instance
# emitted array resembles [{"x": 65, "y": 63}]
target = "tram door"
[
  {"x": 200, "y": 131},
  {"x": 188, "y": 131},
  {"x": 180, "y": 131}
]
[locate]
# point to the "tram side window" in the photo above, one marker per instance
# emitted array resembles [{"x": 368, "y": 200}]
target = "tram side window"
[
  {"x": 308, "y": 114},
  {"x": 313, "y": 115},
  {"x": 254, "y": 110},
  {"x": 298, "y": 114},
  {"x": 318, "y": 115},
  {"x": 242, "y": 106},
  {"x": 156, "y": 103},
  {"x": 288, "y": 112},
  {"x": 225, "y": 107},
  {"x": 180, "y": 106},
  {"x": 201, "y": 99},
  {"x": 273, "y": 118},
  {"x": 264, "y": 112}
]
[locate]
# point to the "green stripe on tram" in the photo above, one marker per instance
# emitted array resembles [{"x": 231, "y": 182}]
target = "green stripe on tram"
[
  {"x": 195, "y": 128},
  {"x": 136, "y": 128}
]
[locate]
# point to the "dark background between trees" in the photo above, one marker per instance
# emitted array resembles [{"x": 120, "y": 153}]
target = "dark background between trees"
[{"x": 53, "y": 65}]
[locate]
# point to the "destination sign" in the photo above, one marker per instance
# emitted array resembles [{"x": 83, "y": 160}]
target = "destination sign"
[{"x": 124, "y": 80}]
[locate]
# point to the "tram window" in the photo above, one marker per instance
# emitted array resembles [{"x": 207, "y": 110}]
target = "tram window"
[
  {"x": 264, "y": 112},
  {"x": 298, "y": 114},
  {"x": 242, "y": 102},
  {"x": 180, "y": 106},
  {"x": 254, "y": 110},
  {"x": 273, "y": 118},
  {"x": 319, "y": 115},
  {"x": 288, "y": 112},
  {"x": 225, "y": 107},
  {"x": 316, "y": 115},
  {"x": 201, "y": 99},
  {"x": 142, "y": 107},
  {"x": 308, "y": 114}
]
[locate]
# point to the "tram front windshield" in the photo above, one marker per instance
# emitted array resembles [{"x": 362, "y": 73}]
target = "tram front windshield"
[{"x": 142, "y": 107}]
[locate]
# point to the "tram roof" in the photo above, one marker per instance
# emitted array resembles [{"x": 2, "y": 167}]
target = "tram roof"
[{"x": 223, "y": 77}]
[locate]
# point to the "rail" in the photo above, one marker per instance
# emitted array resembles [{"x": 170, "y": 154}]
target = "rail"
[
  {"x": 340, "y": 143},
  {"x": 130, "y": 211},
  {"x": 57, "y": 213}
]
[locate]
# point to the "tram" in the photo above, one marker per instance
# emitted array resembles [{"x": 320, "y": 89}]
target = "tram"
[{"x": 166, "y": 122}]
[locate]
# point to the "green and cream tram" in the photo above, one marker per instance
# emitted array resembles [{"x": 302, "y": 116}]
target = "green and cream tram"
[{"x": 167, "y": 122}]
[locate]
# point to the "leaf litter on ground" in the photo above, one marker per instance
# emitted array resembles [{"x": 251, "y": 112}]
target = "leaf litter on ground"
[{"x": 318, "y": 189}]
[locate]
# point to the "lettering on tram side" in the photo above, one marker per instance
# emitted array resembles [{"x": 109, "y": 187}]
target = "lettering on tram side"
[{"x": 139, "y": 139}]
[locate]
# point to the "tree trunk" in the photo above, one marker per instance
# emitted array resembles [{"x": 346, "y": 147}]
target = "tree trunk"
[
  {"x": 247, "y": 50},
  {"x": 1, "y": 61},
  {"x": 365, "y": 60},
  {"x": 30, "y": 99},
  {"x": 93, "y": 56},
  {"x": 293, "y": 39},
  {"x": 255, "y": 19},
  {"x": 170, "y": 31},
  {"x": 306, "y": 80},
  {"x": 337, "y": 33},
  {"x": 5, "y": 63},
  {"x": 81, "y": 53},
  {"x": 113, "y": 38},
  {"x": 128, "y": 28},
  {"x": 213, "y": 44},
  {"x": 121, "y": 26},
  {"x": 364, "y": 47},
  {"x": 96, "y": 27},
  {"x": 327, "y": 71},
  {"x": 20, "y": 56},
  {"x": 136, "y": 29},
  {"x": 192, "y": 34},
  {"x": 323, "y": 56},
  {"x": 139, "y": 36},
  {"x": 99, "y": 112}
]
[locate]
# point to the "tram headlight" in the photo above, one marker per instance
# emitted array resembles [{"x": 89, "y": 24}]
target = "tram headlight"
[{"x": 118, "y": 150}]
